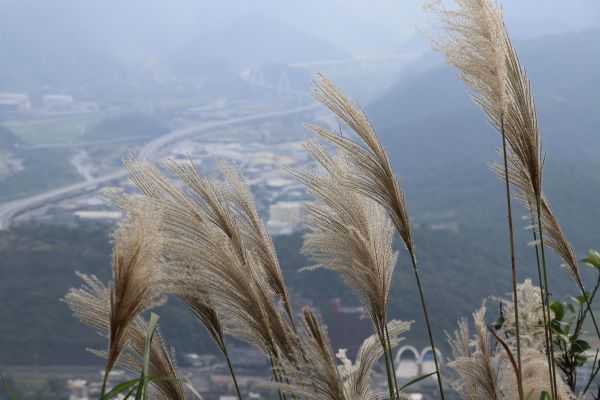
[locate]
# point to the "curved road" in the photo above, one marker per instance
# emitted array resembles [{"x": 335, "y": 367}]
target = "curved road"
[{"x": 9, "y": 210}]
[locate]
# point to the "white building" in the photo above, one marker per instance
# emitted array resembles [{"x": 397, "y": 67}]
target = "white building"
[
  {"x": 14, "y": 101},
  {"x": 98, "y": 215},
  {"x": 284, "y": 216}
]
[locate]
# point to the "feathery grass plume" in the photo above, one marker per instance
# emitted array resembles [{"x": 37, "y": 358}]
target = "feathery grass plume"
[
  {"x": 474, "y": 364},
  {"x": 555, "y": 237},
  {"x": 535, "y": 362},
  {"x": 136, "y": 279},
  {"x": 255, "y": 235},
  {"x": 374, "y": 176},
  {"x": 90, "y": 303},
  {"x": 371, "y": 174},
  {"x": 187, "y": 283},
  {"x": 351, "y": 235},
  {"x": 179, "y": 278},
  {"x": 460, "y": 345},
  {"x": 320, "y": 377},
  {"x": 476, "y": 43},
  {"x": 206, "y": 246},
  {"x": 244, "y": 273},
  {"x": 532, "y": 315},
  {"x": 211, "y": 193},
  {"x": 205, "y": 241},
  {"x": 486, "y": 372},
  {"x": 535, "y": 379}
]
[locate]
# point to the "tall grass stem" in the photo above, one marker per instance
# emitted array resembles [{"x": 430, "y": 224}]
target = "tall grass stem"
[
  {"x": 547, "y": 295},
  {"x": 541, "y": 282},
  {"x": 387, "y": 336},
  {"x": 427, "y": 323},
  {"x": 231, "y": 370},
  {"x": 512, "y": 250}
]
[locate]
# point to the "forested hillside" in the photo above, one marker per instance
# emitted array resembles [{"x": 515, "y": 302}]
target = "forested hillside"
[
  {"x": 441, "y": 143},
  {"x": 38, "y": 264}
]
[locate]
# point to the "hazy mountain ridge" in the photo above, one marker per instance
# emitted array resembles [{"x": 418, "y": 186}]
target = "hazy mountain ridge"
[
  {"x": 66, "y": 46},
  {"x": 440, "y": 142},
  {"x": 565, "y": 75},
  {"x": 253, "y": 40}
]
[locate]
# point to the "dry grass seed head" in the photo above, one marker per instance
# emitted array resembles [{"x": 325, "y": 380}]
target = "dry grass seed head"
[
  {"x": 372, "y": 174},
  {"x": 321, "y": 377},
  {"x": 477, "y": 369},
  {"x": 554, "y": 236},
  {"x": 207, "y": 239},
  {"x": 349, "y": 234},
  {"x": 255, "y": 235},
  {"x": 475, "y": 41},
  {"x": 136, "y": 277},
  {"x": 90, "y": 303}
]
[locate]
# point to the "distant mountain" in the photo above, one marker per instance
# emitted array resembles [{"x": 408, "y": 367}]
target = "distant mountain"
[
  {"x": 47, "y": 43},
  {"x": 253, "y": 40},
  {"x": 440, "y": 141}
]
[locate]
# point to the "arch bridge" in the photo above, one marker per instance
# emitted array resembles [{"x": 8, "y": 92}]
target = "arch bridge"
[{"x": 411, "y": 363}]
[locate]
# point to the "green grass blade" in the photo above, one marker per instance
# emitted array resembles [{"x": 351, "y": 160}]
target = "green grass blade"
[
  {"x": 130, "y": 393},
  {"x": 120, "y": 388},
  {"x": 418, "y": 379},
  {"x": 189, "y": 385},
  {"x": 9, "y": 390},
  {"x": 152, "y": 324}
]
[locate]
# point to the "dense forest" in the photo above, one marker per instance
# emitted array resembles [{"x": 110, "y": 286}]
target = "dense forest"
[{"x": 38, "y": 264}]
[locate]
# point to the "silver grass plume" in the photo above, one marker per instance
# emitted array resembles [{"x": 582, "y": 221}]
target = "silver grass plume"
[
  {"x": 244, "y": 273},
  {"x": 372, "y": 175},
  {"x": 255, "y": 235},
  {"x": 555, "y": 237},
  {"x": 320, "y": 377},
  {"x": 531, "y": 318},
  {"x": 535, "y": 360},
  {"x": 484, "y": 372},
  {"x": 179, "y": 278},
  {"x": 535, "y": 378},
  {"x": 349, "y": 234},
  {"x": 475, "y": 365},
  {"x": 90, "y": 303},
  {"x": 136, "y": 279},
  {"x": 475, "y": 42},
  {"x": 205, "y": 244}
]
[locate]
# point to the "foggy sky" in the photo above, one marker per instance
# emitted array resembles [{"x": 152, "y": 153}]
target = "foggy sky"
[{"x": 355, "y": 25}]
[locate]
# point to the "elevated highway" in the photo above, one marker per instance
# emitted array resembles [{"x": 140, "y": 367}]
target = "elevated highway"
[{"x": 9, "y": 211}]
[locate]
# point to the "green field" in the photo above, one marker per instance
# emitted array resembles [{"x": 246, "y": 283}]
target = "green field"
[{"x": 52, "y": 130}]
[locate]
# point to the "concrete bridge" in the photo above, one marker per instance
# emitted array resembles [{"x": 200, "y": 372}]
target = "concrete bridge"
[
  {"x": 411, "y": 363},
  {"x": 275, "y": 81}
]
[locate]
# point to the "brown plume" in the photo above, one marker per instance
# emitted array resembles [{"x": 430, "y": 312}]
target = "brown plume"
[
  {"x": 321, "y": 377},
  {"x": 91, "y": 304},
  {"x": 372, "y": 175},
  {"x": 349, "y": 234},
  {"x": 219, "y": 258},
  {"x": 136, "y": 279}
]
